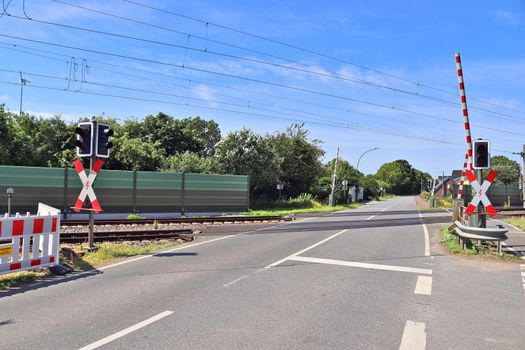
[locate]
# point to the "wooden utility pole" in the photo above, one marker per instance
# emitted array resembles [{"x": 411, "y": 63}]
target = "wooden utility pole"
[{"x": 334, "y": 178}]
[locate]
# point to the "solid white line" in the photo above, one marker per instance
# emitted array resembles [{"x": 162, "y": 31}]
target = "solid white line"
[
  {"x": 423, "y": 285},
  {"x": 235, "y": 281},
  {"x": 414, "y": 336},
  {"x": 126, "y": 331},
  {"x": 386, "y": 208},
  {"x": 163, "y": 251},
  {"x": 506, "y": 223},
  {"x": 427, "y": 239},
  {"x": 361, "y": 265},
  {"x": 509, "y": 248},
  {"x": 278, "y": 262}
]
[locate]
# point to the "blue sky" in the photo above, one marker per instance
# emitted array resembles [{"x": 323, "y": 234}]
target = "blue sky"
[{"x": 410, "y": 91}]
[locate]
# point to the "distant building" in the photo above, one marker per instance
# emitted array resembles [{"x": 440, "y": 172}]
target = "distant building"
[{"x": 445, "y": 185}]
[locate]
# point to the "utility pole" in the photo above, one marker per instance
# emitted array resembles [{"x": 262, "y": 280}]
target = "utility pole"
[
  {"x": 23, "y": 82},
  {"x": 332, "y": 194},
  {"x": 91, "y": 213},
  {"x": 522, "y": 154}
]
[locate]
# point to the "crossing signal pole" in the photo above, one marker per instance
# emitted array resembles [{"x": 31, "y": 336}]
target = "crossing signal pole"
[{"x": 93, "y": 140}]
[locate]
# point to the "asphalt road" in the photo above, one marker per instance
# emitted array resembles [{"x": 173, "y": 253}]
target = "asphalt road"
[{"x": 368, "y": 278}]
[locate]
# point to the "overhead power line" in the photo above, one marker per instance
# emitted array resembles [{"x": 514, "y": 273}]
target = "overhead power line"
[
  {"x": 247, "y": 101},
  {"x": 229, "y": 75},
  {"x": 352, "y": 127},
  {"x": 315, "y": 53},
  {"x": 330, "y": 75}
]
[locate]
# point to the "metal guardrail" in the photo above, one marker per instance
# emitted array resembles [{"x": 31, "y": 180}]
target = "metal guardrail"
[{"x": 492, "y": 234}]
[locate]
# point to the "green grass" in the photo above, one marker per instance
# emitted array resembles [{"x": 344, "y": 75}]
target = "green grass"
[
  {"x": 18, "y": 278},
  {"x": 386, "y": 197},
  {"x": 107, "y": 252},
  {"x": 317, "y": 209},
  {"x": 135, "y": 216},
  {"x": 451, "y": 242},
  {"x": 519, "y": 222}
]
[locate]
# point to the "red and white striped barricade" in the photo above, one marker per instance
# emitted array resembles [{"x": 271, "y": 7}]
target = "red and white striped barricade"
[{"x": 32, "y": 240}]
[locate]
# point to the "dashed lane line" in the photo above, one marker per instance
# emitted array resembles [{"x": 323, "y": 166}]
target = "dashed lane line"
[
  {"x": 414, "y": 336},
  {"x": 423, "y": 285},
  {"x": 126, "y": 331},
  {"x": 362, "y": 265},
  {"x": 235, "y": 281}
]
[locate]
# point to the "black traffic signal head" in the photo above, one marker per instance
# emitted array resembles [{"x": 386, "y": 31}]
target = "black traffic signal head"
[
  {"x": 481, "y": 154},
  {"x": 104, "y": 133},
  {"x": 84, "y": 145}
]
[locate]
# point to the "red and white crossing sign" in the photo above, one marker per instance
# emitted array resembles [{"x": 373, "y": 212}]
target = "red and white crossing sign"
[
  {"x": 87, "y": 182},
  {"x": 481, "y": 193}
]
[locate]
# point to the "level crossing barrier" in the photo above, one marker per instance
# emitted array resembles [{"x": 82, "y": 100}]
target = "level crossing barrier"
[{"x": 30, "y": 241}]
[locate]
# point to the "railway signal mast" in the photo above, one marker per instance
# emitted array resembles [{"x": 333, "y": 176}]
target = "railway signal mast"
[{"x": 93, "y": 140}]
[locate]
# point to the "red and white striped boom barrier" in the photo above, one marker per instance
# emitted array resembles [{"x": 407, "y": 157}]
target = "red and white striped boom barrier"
[
  {"x": 31, "y": 241},
  {"x": 467, "y": 166}
]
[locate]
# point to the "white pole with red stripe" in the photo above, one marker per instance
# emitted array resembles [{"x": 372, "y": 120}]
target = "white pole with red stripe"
[{"x": 468, "y": 163}]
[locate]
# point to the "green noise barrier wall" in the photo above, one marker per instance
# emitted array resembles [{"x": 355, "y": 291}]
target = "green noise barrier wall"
[{"x": 120, "y": 191}]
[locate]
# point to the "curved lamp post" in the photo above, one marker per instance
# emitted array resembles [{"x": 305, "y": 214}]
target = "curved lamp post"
[{"x": 370, "y": 150}]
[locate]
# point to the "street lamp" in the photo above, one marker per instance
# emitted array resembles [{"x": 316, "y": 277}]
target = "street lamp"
[{"x": 361, "y": 156}]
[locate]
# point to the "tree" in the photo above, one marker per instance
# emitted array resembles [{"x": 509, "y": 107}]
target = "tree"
[
  {"x": 177, "y": 136},
  {"x": 508, "y": 170},
  {"x": 6, "y": 135},
  {"x": 135, "y": 154},
  {"x": 345, "y": 171},
  {"x": 421, "y": 178},
  {"x": 190, "y": 163},
  {"x": 246, "y": 153},
  {"x": 399, "y": 175},
  {"x": 300, "y": 159}
]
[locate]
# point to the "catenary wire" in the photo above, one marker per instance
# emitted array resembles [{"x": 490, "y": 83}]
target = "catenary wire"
[
  {"x": 313, "y": 52},
  {"x": 257, "y": 61}
]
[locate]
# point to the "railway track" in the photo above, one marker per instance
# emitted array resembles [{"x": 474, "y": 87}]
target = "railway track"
[
  {"x": 218, "y": 219},
  {"x": 112, "y": 236}
]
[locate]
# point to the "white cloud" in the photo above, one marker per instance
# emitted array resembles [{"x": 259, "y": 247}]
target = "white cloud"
[
  {"x": 204, "y": 92},
  {"x": 509, "y": 18}
]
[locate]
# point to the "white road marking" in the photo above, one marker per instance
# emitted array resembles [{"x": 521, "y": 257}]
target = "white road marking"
[
  {"x": 423, "y": 285},
  {"x": 506, "y": 223},
  {"x": 126, "y": 331},
  {"x": 278, "y": 262},
  {"x": 370, "y": 217},
  {"x": 164, "y": 251},
  {"x": 361, "y": 265},
  {"x": 414, "y": 336},
  {"x": 235, "y": 281},
  {"x": 427, "y": 239},
  {"x": 509, "y": 248},
  {"x": 386, "y": 208}
]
